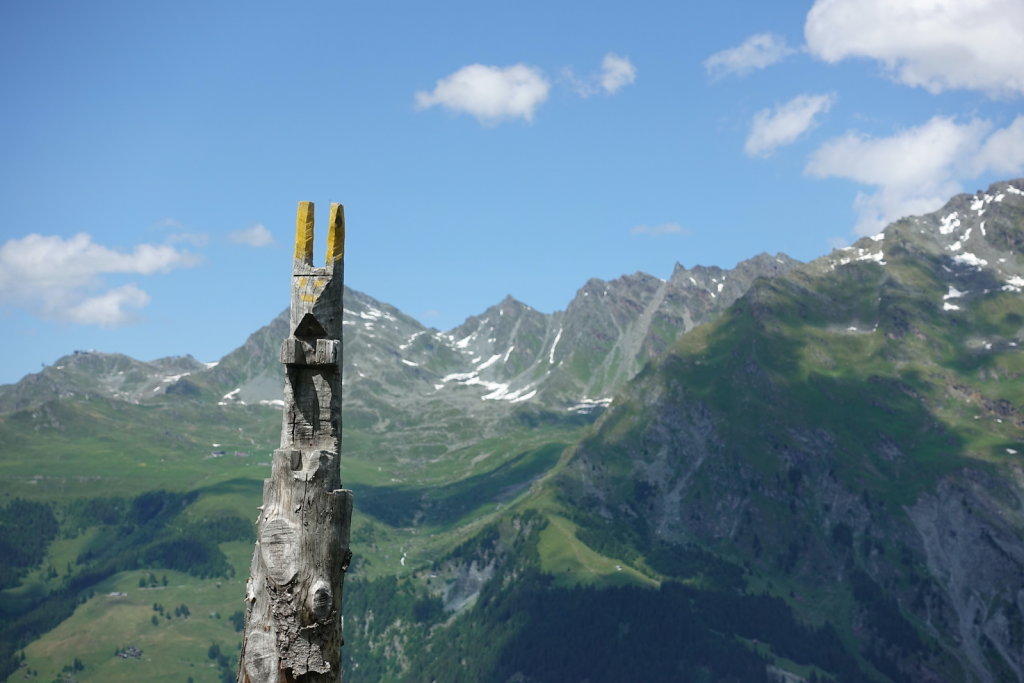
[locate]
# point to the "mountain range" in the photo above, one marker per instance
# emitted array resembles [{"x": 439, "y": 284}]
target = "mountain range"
[{"x": 781, "y": 471}]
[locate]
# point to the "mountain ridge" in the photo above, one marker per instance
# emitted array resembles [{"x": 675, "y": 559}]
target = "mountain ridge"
[
  {"x": 877, "y": 420},
  {"x": 823, "y": 482}
]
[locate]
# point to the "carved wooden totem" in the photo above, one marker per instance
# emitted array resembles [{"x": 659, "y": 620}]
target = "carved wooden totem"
[{"x": 293, "y": 621}]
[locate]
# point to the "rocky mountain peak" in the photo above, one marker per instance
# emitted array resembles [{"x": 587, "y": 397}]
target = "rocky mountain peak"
[
  {"x": 854, "y": 426},
  {"x": 971, "y": 247},
  {"x": 96, "y": 373}
]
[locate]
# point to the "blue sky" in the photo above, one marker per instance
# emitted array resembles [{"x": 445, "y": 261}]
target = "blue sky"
[{"x": 154, "y": 153}]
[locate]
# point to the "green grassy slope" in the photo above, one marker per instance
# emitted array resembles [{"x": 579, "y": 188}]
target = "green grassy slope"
[
  {"x": 813, "y": 436},
  {"x": 93, "y": 474},
  {"x": 824, "y": 482}
]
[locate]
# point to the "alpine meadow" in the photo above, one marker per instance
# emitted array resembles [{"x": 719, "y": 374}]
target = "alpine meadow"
[
  {"x": 632, "y": 342},
  {"x": 781, "y": 470}
]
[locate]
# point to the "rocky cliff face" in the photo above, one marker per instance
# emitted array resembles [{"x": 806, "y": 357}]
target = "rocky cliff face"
[
  {"x": 850, "y": 431},
  {"x": 828, "y": 473},
  {"x": 970, "y": 534}
]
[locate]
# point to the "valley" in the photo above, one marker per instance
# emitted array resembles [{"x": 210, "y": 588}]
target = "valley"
[{"x": 783, "y": 469}]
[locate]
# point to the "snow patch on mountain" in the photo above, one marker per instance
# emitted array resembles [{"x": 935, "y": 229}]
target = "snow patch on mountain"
[
  {"x": 371, "y": 313},
  {"x": 409, "y": 342},
  {"x": 558, "y": 338},
  {"x": 953, "y": 293},
  {"x": 497, "y": 391},
  {"x": 1014, "y": 284},
  {"x": 459, "y": 377},
  {"x": 877, "y": 257},
  {"x": 489, "y": 362},
  {"x": 589, "y": 405},
  {"x": 969, "y": 259},
  {"x": 230, "y": 396},
  {"x": 979, "y": 203},
  {"x": 862, "y": 255},
  {"x": 949, "y": 223},
  {"x": 502, "y": 393}
]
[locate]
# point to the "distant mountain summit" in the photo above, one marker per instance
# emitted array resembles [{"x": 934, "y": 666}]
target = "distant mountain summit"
[
  {"x": 573, "y": 359},
  {"x": 975, "y": 239},
  {"x": 781, "y": 471},
  {"x": 92, "y": 373},
  {"x": 412, "y": 394},
  {"x": 569, "y": 360},
  {"x": 853, "y": 430}
]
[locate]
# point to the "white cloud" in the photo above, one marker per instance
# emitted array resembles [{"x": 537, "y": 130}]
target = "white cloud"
[
  {"x": 773, "y": 128},
  {"x": 616, "y": 73},
  {"x": 916, "y": 170},
  {"x": 757, "y": 52},
  {"x": 1003, "y": 152},
  {"x": 661, "y": 229},
  {"x": 933, "y": 44},
  {"x": 489, "y": 93},
  {"x": 57, "y": 277},
  {"x": 253, "y": 236},
  {"x": 109, "y": 309}
]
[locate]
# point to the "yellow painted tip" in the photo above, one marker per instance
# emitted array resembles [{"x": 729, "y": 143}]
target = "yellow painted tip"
[
  {"x": 336, "y": 235},
  {"x": 304, "y": 233}
]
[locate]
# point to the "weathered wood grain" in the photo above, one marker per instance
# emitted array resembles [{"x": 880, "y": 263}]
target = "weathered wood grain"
[{"x": 293, "y": 595}]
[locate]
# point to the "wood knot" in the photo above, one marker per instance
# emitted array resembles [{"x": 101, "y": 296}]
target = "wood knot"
[
  {"x": 321, "y": 601},
  {"x": 279, "y": 544}
]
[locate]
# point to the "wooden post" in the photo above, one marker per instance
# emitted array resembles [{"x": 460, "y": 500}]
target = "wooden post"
[{"x": 293, "y": 596}]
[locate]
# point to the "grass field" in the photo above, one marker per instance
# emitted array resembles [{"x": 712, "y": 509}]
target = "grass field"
[
  {"x": 572, "y": 563},
  {"x": 404, "y": 518},
  {"x": 120, "y": 615}
]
